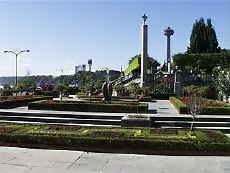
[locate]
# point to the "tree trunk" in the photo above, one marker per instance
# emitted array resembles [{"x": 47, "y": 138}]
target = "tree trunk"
[{"x": 227, "y": 97}]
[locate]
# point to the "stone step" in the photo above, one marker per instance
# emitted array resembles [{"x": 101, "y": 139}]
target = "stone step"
[
  {"x": 209, "y": 118},
  {"x": 188, "y": 124},
  {"x": 63, "y": 115},
  {"x": 67, "y": 124},
  {"x": 61, "y": 120},
  {"x": 223, "y": 129}
]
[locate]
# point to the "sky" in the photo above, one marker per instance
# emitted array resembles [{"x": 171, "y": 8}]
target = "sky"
[{"x": 62, "y": 34}]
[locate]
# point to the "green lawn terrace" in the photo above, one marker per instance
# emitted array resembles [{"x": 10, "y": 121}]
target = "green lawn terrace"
[
  {"x": 125, "y": 140},
  {"x": 91, "y": 104},
  {"x": 212, "y": 107}
]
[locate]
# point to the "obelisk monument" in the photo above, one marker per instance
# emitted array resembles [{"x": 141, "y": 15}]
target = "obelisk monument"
[{"x": 144, "y": 50}]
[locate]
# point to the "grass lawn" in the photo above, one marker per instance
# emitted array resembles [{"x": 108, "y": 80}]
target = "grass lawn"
[{"x": 121, "y": 140}]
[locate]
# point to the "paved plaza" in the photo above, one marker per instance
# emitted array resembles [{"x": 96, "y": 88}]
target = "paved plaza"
[{"x": 21, "y": 160}]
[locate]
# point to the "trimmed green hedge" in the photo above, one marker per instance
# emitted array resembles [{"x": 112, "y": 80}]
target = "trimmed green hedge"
[
  {"x": 162, "y": 96},
  {"x": 216, "y": 111},
  {"x": 89, "y": 107},
  {"x": 145, "y": 99},
  {"x": 182, "y": 108},
  {"x": 179, "y": 105},
  {"x": 8, "y": 104},
  {"x": 132, "y": 139}
]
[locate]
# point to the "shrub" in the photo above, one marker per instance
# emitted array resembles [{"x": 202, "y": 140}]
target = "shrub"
[
  {"x": 7, "y": 92},
  {"x": 200, "y": 91},
  {"x": 8, "y": 104},
  {"x": 89, "y": 107},
  {"x": 216, "y": 111},
  {"x": 111, "y": 139},
  {"x": 209, "y": 110},
  {"x": 179, "y": 105}
]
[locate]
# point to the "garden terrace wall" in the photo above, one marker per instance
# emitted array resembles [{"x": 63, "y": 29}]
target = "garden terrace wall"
[
  {"x": 8, "y": 104},
  {"x": 89, "y": 107}
]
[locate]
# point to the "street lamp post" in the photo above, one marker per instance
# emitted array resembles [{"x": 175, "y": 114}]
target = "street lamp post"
[{"x": 16, "y": 53}]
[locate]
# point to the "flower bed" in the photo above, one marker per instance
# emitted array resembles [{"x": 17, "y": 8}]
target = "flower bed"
[
  {"x": 213, "y": 107},
  {"x": 17, "y": 101},
  {"x": 3, "y": 98},
  {"x": 127, "y": 140},
  {"x": 210, "y": 103}
]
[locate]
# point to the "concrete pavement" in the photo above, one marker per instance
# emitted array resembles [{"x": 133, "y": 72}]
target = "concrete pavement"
[
  {"x": 163, "y": 107},
  {"x": 23, "y": 160}
]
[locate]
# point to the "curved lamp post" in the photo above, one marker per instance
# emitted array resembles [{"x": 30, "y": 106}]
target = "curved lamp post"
[{"x": 16, "y": 53}]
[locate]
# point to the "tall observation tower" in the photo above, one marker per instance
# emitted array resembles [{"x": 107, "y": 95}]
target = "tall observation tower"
[{"x": 168, "y": 32}]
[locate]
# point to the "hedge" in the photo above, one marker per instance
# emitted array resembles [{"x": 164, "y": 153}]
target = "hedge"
[
  {"x": 8, "y": 104},
  {"x": 162, "y": 96},
  {"x": 145, "y": 99},
  {"x": 182, "y": 108},
  {"x": 179, "y": 105},
  {"x": 37, "y": 136},
  {"x": 89, "y": 107},
  {"x": 216, "y": 111}
]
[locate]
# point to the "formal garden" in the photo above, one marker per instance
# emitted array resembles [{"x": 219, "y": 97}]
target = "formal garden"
[{"x": 198, "y": 83}]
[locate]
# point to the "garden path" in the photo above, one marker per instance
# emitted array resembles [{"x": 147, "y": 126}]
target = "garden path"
[
  {"x": 163, "y": 108},
  {"x": 22, "y": 160}
]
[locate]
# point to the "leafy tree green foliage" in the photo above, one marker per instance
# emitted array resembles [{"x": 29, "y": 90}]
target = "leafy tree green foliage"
[
  {"x": 120, "y": 89},
  {"x": 26, "y": 84},
  {"x": 134, "y": 89},
  {"x": 203, "y": 38},
  {"x": 92, "y": 81},
  {"x": 85, "y": 80},
  {"x": 223, "y": 83},
  {"x": 62, "y": 88},
  {"x": 204, "y": 62},
  {"x": 200, "y": 91},
  {"x": 6, "y": 92}
]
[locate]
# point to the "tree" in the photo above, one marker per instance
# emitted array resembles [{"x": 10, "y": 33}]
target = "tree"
[
  {"x": 134, "y": 89},
  {"x": 223, "y": 83},
  {"x": 203, "y": 38},
  {"x": 62, "y": 88},
  {"x": 195, "y": 106},
  {"x": 120, "y": 89},
  {"x": 201, "y": 61},
  {"x": 26, "y": 84}
]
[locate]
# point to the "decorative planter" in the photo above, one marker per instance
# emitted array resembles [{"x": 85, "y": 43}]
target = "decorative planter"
[{"x": 136, "y": 121}]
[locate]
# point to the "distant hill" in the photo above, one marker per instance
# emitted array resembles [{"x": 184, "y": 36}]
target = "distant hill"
[
  {"x": 8, "y": 80},
  {"x": 68, "y": 79}
]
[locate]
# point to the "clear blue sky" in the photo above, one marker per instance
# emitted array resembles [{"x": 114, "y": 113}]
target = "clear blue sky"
[{"x": 62, "y": 34}]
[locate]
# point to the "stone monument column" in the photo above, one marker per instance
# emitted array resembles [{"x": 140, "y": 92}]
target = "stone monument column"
[
  {"x": 144, "y": 50},
  {"x": 178, "y": 84},
  {"x": 168, "y": 32}
]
